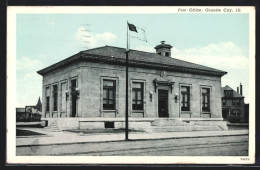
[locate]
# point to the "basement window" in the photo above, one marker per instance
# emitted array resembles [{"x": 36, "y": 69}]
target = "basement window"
[{"x": 109, "y": 125}]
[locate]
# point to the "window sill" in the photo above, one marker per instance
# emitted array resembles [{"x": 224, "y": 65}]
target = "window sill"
[
  {"x": 186, "y": 112},
  {"x": 137, "y": 111},
  {"x": 109, "y": 110},
  {"x": 205, "y": 112}
]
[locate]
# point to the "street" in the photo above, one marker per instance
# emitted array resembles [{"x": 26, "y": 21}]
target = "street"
[{"x": 203, "y": 146}]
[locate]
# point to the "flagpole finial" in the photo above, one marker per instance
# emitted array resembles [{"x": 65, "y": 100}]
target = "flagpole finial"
[{"x": 127, "y": 51}]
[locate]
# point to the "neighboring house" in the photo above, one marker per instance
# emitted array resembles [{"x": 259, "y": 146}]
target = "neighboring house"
[
  {"x": 29, "y": 113},
  {"x": 233, "y": 105},
  {"x": 21, "y": 115},
  {"x": 91, "y": 84},
  {"x": 246, "y": 120}
]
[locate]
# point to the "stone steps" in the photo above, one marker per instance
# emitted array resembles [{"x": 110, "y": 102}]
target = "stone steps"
[
  {"x": 53, "y": 127},
  {"x": 183, "y": 128},
  {"x": 178, "y": 125},
  {"x": 169, "y": 122}
]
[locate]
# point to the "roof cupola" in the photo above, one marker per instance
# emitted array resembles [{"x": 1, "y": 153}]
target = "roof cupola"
[{"x": 163, "y": 49}]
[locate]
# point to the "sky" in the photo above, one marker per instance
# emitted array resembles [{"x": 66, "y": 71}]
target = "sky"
[{"x": 219, "y": 41}]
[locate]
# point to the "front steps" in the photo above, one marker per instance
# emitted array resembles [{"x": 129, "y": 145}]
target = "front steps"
[
  {"x": 156, "y": 125},
  {"x": 179, "y": 125},
  {"x": 169, "y": 122},
  {"x": 53, "y": 127},
  {"x": 157, "y": 129}
]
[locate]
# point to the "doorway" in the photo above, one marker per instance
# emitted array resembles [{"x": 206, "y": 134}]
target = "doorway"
[{"x": 163, "y": 103}]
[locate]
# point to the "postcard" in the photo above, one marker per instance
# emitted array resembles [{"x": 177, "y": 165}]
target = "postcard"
[{"x": 130, "y": 85}]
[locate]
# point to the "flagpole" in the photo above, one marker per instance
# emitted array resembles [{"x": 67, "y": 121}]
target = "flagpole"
[
  {"x": 127, "y": 36},
  {"x": 126, "y": 100}
]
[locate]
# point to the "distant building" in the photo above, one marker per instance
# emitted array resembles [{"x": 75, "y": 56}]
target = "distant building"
[
  {"x": 246, "y": 120},
  {"x": 29, "y": 113},
  {"x": 21, "y": 115},
  {"x": 91, "y": 84},
  {"x": 233, "y": 105},
  {"x": 39, "y": 105}
]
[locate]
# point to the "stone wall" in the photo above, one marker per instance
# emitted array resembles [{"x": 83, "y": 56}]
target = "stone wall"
[{"x": 93, "y": 72}]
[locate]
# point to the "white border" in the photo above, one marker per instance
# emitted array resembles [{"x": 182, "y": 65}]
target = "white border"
[{"x": 11, "y": 95}]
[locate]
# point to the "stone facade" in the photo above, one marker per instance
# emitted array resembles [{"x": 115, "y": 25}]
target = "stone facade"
[{"x": 89, "y": 78}]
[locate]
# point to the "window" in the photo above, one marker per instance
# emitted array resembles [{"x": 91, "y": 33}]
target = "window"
[
  {"x": 74, "y": 91},
  {"x": 233, "y": 102},
  {"x": 236, "y": 112},
  {"x": 167, "y": 54},
  {"x": 47, "y": 99},
  {"x": 236, "y": 102},
  {"x": 205, "y": 99},
  {"x": 109, "y": 125},
  {"x": 228, "y": 93},
  {"x": 109, "y": 95},
  {"x": 55, "y": 97},
  {"x": 185, "y": 98},
  {"x": 224, "y": 102},
  {"x": 63, "y": 88},
  {"x": 47, "y": 104},
  {"x": 73, "y": 84},
  {"x": 137, "y": 96}
]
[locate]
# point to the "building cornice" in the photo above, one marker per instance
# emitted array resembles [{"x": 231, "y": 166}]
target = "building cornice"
[{"x": 132, "y": 63}]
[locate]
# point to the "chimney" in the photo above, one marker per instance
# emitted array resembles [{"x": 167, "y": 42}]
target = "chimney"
[
  {"x": 237, "y": 89},
  {"x": 163, "y": 49},
  {"x": 241, "y": 90}
]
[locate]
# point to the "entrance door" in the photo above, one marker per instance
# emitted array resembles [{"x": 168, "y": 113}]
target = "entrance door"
[{"x": 163, "y": 103}]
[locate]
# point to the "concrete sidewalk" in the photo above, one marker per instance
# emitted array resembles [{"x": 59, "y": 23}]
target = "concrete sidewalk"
[{"x": 64, "y": 137}]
